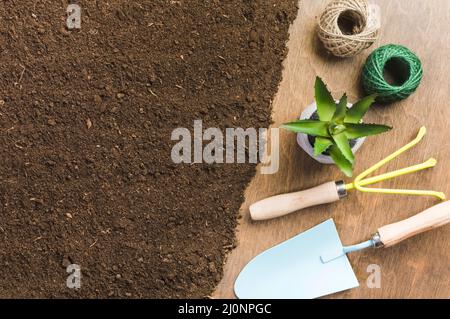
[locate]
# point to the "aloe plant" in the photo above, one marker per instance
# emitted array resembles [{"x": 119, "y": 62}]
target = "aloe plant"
[{"x": 337, "y": 125}]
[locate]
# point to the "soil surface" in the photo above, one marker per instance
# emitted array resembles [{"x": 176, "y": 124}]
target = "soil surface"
[{"x": 86, "y": 118}]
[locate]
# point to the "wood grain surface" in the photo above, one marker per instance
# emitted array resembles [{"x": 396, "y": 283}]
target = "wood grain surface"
[{"x": 418, "y": 267}]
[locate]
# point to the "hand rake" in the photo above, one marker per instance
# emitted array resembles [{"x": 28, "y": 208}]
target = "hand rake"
[{"x": 281, "y": 205}]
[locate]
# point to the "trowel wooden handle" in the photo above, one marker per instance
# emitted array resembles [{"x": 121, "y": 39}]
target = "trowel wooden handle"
[
  {"x": 431, "y": 218},
  {"x": 281, "y": 205}
]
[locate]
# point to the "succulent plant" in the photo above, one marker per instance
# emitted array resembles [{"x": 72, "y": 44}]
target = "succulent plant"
[{"x": 336, "y": 126}]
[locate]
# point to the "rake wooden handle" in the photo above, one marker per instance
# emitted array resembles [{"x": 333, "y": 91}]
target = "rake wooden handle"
[
  {"x": 431, "y": 218},
  {"x": 281, "y": 205}
]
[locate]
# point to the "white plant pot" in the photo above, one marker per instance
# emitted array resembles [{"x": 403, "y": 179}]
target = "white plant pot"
[{"x": 303, "y": 141}]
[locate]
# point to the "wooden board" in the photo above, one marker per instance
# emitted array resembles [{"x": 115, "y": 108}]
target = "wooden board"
[{"x": 419, "y": 267}]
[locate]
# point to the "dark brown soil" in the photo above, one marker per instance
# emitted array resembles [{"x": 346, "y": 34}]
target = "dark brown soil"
[{"x": 86, "y": 118}]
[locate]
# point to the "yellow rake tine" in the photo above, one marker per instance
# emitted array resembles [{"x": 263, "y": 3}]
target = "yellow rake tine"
[
  {"x": 439, "y": 195},
  {"x": 404, "y": 171},
  {"x": 359, "y": 182}
]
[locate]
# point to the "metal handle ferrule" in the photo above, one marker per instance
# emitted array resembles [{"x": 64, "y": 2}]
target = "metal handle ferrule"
[{"x": 341, "y": 189}]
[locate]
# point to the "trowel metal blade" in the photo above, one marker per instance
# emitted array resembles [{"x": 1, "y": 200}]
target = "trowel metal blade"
[{"x": 294, "y": 269}]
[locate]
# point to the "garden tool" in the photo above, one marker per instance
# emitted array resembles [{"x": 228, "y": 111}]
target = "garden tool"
[
  {"x": 315, "y": 264},
  {"x": 333, "y": 191}
]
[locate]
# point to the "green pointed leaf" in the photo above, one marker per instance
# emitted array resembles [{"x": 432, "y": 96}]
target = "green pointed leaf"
[
  {"x": 335, "y": 129},
  {"x": 359, "y": 109},
  {"x": 354, "y": 131},
  {"x": 310, "y": 127},
  {"x": 342, "y": 143},
  {"x": 326, "y": 106},
  {"x": 341, "y": 110},
  {"x": 321, "y": 144},
  {"x": 344, "y": 165}
]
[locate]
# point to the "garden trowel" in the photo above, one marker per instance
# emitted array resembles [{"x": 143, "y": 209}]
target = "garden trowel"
[{"x": 315, "y": 263}]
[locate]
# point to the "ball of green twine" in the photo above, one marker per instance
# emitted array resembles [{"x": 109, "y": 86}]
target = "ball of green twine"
[{"x": 404, "y": 66}]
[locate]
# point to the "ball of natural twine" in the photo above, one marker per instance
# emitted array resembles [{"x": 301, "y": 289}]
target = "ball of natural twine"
[
  {"x": 403, "y": 67},
  {"x": 347, "y": 27}
]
